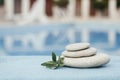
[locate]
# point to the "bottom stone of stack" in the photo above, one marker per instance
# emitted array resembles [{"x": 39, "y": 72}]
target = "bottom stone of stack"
[{"x": 86, "y": 62}]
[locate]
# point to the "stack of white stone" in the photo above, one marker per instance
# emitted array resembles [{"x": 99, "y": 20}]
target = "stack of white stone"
[{"x": 82, "y": 55}]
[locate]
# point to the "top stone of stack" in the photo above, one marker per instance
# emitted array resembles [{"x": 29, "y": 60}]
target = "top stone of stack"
[{"x": 77, "y": 46}]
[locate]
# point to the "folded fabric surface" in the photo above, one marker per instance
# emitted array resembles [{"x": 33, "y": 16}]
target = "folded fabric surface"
[{"x": 29, "y": 68}]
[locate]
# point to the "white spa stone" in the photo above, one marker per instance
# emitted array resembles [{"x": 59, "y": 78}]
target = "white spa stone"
[
  {"x": 86, "y": 62},
  {"x": 77, "y": 46},
  {"x": 81, "y": 53}
]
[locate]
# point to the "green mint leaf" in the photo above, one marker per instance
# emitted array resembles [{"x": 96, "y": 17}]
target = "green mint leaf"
[
  {"x": 43, "y": 64},
  {"x": 61, "y": 60},
  {"x": 52, "y": 67},
  {"x": 58, "y": 61},
  {"x": 50, "y": 64},
  {"x": 53, "y": 57},
  {"x": 61, "y": 65}
]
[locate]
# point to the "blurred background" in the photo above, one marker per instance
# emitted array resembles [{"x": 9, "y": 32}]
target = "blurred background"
[{"x": 38, "y": 27}]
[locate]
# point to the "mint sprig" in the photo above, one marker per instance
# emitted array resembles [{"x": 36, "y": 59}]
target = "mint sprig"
[
  {"x": 53, "y": 57},
  {"x": 54, "y": 64}
]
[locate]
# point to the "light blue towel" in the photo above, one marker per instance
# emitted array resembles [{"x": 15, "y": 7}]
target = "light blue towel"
[{"x": 29, "y": 68}]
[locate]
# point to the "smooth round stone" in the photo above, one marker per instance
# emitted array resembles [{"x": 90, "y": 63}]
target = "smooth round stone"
[
  {"x": 86, "y": 62},
  {"x": 81, "y": 53},
  {"x": 77, "y": 46}
]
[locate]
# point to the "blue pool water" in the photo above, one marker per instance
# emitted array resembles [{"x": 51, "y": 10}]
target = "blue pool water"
[{"x": 43, "y": 39}]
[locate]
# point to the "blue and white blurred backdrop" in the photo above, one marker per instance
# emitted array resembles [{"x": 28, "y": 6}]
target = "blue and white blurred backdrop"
[{"x": 56, "y": 23}]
